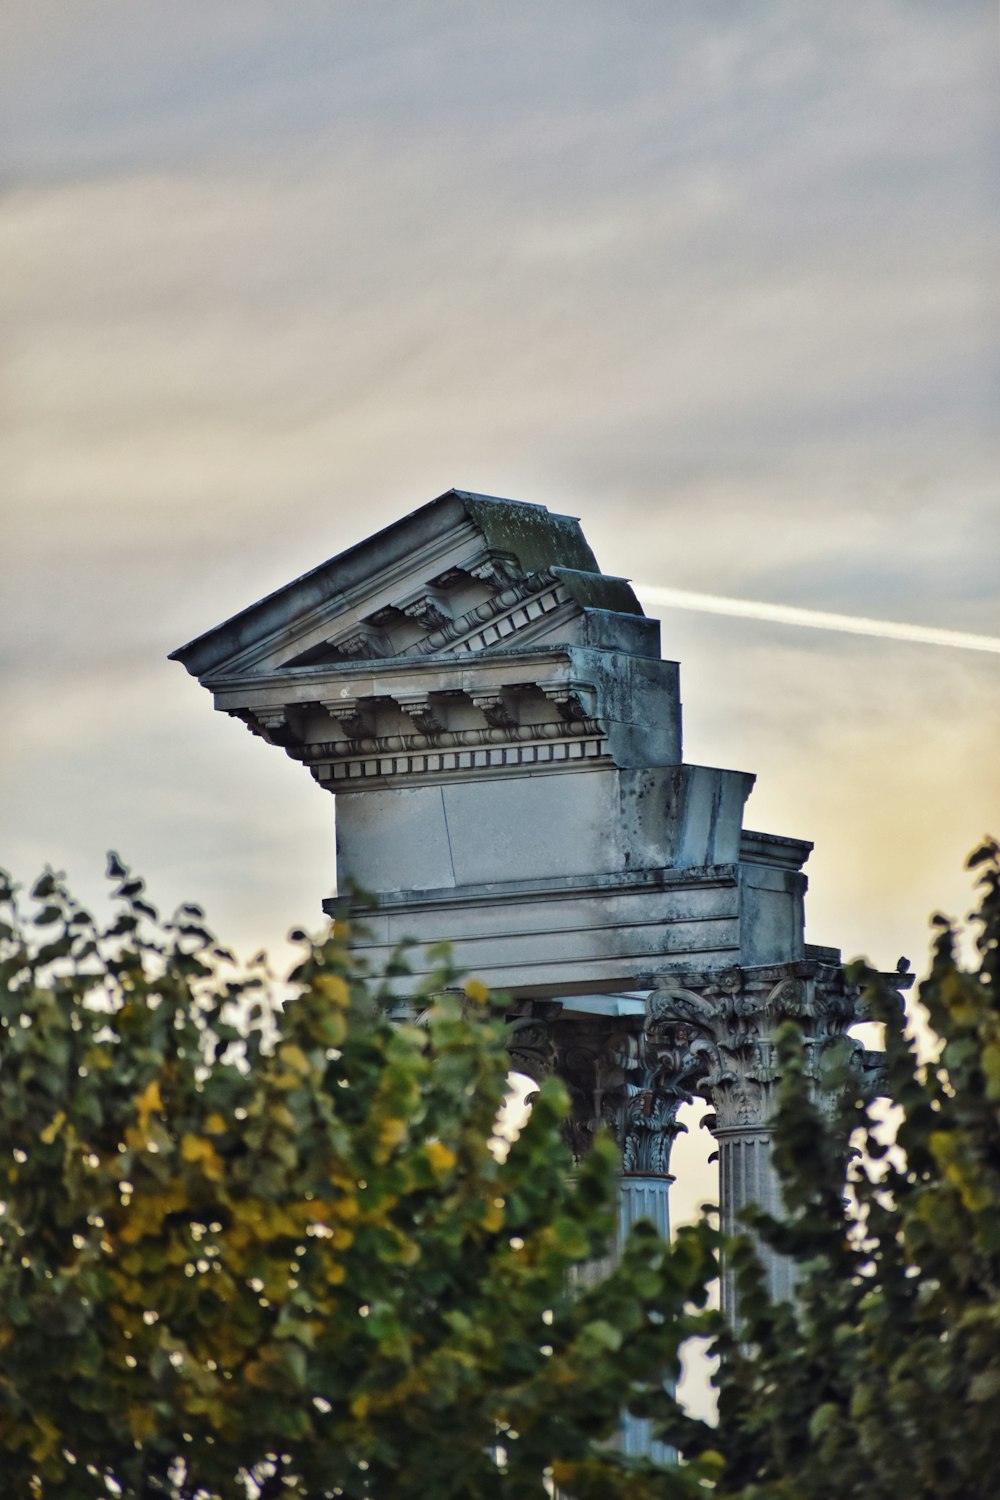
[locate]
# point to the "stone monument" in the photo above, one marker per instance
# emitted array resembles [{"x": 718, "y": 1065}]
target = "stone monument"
[{"x": 503, "y": 741}]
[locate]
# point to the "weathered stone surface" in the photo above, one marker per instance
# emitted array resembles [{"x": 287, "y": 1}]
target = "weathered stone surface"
[
  {"x": 715, "y": 1030},
  {"x": 503, "y": 741}
]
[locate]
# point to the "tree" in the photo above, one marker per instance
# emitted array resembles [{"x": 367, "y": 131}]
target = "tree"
[
  {"x": 253, "y": 1248},
  {"x": 883, "y": 1380},
  {"x": 250, "y": 1247}
]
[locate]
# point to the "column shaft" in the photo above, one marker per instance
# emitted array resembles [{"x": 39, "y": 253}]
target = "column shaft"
[
  {"x": 747, "y": 1175},
  {"x": 643, "y": 1197}
]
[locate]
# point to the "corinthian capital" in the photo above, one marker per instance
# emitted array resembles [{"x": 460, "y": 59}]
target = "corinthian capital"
[
  {"x": 719, "y": 1028},
  {"x": 617, "y": 1082}
]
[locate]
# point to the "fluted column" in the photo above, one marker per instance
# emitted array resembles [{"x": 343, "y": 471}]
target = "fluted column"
[
  {"x": 724, "y": 1024},
  {"x": 643, "y": 1196},
  {"x": 618, "y": 1082},
  {"x": 747, "y": 1175}
]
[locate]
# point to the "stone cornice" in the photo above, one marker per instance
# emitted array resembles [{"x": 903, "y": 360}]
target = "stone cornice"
[
  {"x": 496, "y": 748},
  {"x": 309, "y": 599},
  {"x": 773, "y": 849},
  {"x": 504, "y": 666},
  {"x": 464, "y": 571},
  {"x": 568, "y": 888}
]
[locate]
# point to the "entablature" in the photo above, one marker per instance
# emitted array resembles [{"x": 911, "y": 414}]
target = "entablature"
[{"x": 540, "y": 706}]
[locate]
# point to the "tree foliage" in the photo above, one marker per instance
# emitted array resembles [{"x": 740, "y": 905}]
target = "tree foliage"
[
  {"x": 882, "y": 1382},
  {"x": 260, "y": 1248},
  {"x": 251, "y": 1248}
]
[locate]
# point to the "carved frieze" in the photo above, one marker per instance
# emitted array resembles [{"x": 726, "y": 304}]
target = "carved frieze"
[
  {"x": 496, "y": 750},
  {"x": 500, "y": 743}
]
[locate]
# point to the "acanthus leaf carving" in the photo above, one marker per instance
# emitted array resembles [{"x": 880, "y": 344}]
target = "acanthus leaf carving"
[
  {"x": 532, "y": 1046},
  {"x": 427, "y": 611},
  {"x": 617, "y": 1082},
  {"x": 724, "y": 1025},
  {"x": 495, "y": 710},
  {"x": 362, "y": 645},
  {"x": 419, "y": 709},
  {"x": 353, "y": 718},
  {"x": 270, "y": 724},
  {"x": 499, "y": 569}
]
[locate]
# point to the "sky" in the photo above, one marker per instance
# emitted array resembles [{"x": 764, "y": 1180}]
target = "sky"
[{"x": 718, "y": 277}]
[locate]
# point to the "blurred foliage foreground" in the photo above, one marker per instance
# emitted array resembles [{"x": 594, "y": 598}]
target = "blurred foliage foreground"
[{"x": 252, "y": 1247}]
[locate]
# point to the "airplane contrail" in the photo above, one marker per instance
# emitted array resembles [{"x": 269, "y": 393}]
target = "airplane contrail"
[{"x": 816, "y": 619}]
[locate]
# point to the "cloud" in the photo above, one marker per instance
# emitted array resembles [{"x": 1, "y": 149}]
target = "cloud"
[{"x": 717, "y": 279}]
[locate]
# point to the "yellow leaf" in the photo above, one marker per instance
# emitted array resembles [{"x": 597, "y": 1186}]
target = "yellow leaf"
[
  {"x": 392, "y": 1131},
  {"x": 476, "y": 990},
  {"x": 335, "y": 1273},
  {"x": 194, "y": 1148},
  {"x": 53, "y": 1128},
  {"x": 47, "y": 1440},
  {"x": 215, "y": 1125},
  {"x": 333, "y": 988},
  {"x": 492, "y": 1219},
  {"x": 148, "y": 1101},
  {"x": 141, "y": 1421},
  {"x": 295, "y": 1058},
  {"x": 146, "y": 1213},
  {"x": 440, "y": 1156}
]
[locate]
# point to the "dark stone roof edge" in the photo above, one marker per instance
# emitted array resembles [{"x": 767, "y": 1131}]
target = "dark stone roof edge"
[{"x": 232, "y": 635}]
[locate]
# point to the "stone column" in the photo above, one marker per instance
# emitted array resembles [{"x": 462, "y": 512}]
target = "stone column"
[
  {"x": 725, "y": 1024},
  {"x": 618, "y": 1082}
]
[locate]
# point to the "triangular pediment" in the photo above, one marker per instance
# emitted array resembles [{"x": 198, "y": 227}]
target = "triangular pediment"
[{"x": 464, "y": 574}]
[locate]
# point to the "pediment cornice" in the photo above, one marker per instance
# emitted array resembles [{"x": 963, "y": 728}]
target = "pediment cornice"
[
  {"x": 467, "y": 573},
  {"x": 476, "y": 636}
]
